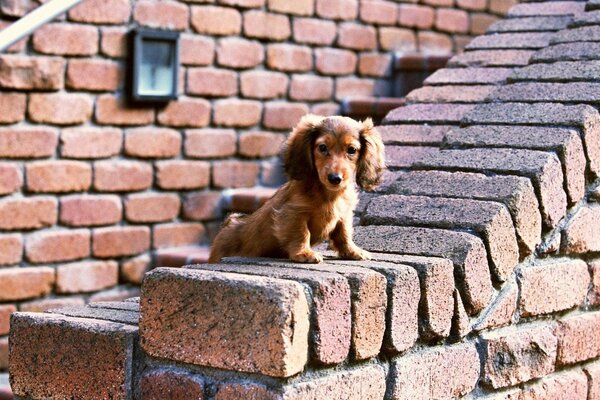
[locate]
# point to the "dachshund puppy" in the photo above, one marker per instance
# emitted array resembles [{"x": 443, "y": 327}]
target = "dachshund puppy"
[{"x": 325, "y": 158}]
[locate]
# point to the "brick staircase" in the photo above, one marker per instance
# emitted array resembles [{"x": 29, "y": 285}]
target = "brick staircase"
[{"x": 484, "y": 282}]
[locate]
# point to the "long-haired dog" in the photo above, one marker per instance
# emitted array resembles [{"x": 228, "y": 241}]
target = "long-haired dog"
[{"x": 325, "y": 158}]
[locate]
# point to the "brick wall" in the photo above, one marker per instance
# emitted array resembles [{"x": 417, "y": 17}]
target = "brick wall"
[{"x": 90, "y": 187}]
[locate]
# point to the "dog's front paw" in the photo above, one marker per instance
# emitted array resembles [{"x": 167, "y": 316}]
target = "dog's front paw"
[
  {"x": 355, "y": 253},
  {"x": 307, "y": 256}
]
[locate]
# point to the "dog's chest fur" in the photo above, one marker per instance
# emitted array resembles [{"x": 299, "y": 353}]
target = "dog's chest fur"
[{"x": 327, "y": 215}]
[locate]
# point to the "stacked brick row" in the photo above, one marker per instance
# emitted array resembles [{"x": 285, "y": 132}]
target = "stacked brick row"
[{"x": 90, "y": 187}]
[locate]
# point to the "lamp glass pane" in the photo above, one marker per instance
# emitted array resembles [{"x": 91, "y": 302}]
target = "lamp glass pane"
[{"x": 156, "y": 76}]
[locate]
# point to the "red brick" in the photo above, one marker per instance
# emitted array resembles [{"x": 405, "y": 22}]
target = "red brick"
[
  {"x": 311, "y": 88},
  {"x": 434, "y": 42},
  {"x": 133, "y": 270},
  {"x": 213, "y": 20},
  {"x": 61, "y": 245},
  {"x": 257, "y": 303},
  {"x": 115, "y": 294},
  {"x": 211, "y": 82},
  {"x": 300, "y": 7},
  {"x": 24, "y": 72},
  {"x": 51, "y": 304},
  {"x": 314, "y": 31},
  {"x": 357, "y": 37},
  {"x": 577, "y": 339},
  {"x": 239, "y": 53},
  {"x": 397, "y": 39},
  {"x": 5, "y": 312},
  {"x": 13, "y": 107},
  {"x": 263, "y": 84},
  {"x": 564, "y": 385},
  {"x": 60, "y": 108},
  {"x": 122, "y": 176},
  {"x": 260, "y": 144},
  {"x": 162, "y": 14},
  {"x": 25, "y": 283},
  {"x": 90, "y": 210},
  {"x": 416, "y": 16},
  {"x": 45, "y": 343},
  {"x": 241, "y": 3},
  {"x": 208, "y": 143},
  {"x": 185, "y": 112},
  {"x": 234, "y": 174},
  {"x": 480, "y": 22},
  {"x": 113, "y": 42},
  {"x": 90, "y": 142},
  {"x": 182, "y": 174},
  {"x": 27, "y": 213},
  {"x": 553, "y": 286},
  {"x": 177, "y": 234},
  {"x": 110, "y": 110},
  {"x": 247, "y": 200},
  {"x": 582, "y": 234},
  {"x": 379, "y": 12},
  {"x": 27, "y": 142},
  {"x": 287, "y": 57},
  {"x": 152, "y": 207},
  {"x": 177, "y": 385},
  {"x": 478, "y": 5},
  {"x": 102, "y": 12},
  {"x": 375, "y": 64},
  {"x": 58, "y": 176},
  {"x": 196, "y": 50},
  {"x": 451, "y": 20},
  {"x": 11, "y": 249},
  {"x": 202, "y": 206},
  {"x": 593, "y": 374},
  {"x": 353, "y": 87},
  {"x": 325, "y": 109},
  {"x": 14, "y": 8},
  {"x": 281, "y": 115},
  {"x": 93, "y": 75},
  {"x": 501, "y": 310},
  {"x": 337, "y": 9},
  {"x": 268, "y": 26},
  {"x": 594, "y": 292},
  {"x": 331, "y": 61},
  {"x": 152, "y": 142},
  {"x": 120, "y": 241},
  {"x": 501, "y": 6},
  {"x": 11, "y": 178},
  {"x": 4, "y": 357},
  {"x": 237, "y": 113},
  {"x": 66, "y": 39},
  {"x": 419, "y": 375},
  {"x": 87, "y": 276}
]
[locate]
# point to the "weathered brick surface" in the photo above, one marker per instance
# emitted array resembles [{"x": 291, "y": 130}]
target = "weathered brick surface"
[
  {"x": 90, "y": 210},
  {"x": 11, "y": 178},
  {"x": 379, "y": 12},
  {"x": 419, "y": 375},
  {"x": 211, "y": 82},
  {"x": 356, "y": 36},
  {"x": 237, "y": 113},
  {"x": 111, "y": 110},
  {"x": 165, "y": 15},
  {"x": 11, "y": 249},
  {"x": 196, "y": 50},
  {"x": 580, "y": 235},
  {"x": 48, "y": 347},
  {"x": 432, "y": 113},
  {"x": 556, "y": 72},
  {"x": 113, "y": 42},
  {"x": 120, "y": 241},
  {"x": 282, "y": 115},
  {"x": 235, "y": 308},
  {"x": 468, "y": 76},
  {"x": 29, "y": 213},
  {"x": 24, "y": 72},
  {"x": 66, "y": 39},
  {"x": 25, "y": 283},
  {"x": 568, "y": 52},
  {"x": 592, "y": 372},
  {"x": 87, "y": 276},
  {"x": 5, "y": 311},
  {"x": 182, "y": 175},
  {"x": 490, "y": 220},
  {"x": 517, "y": 41},
  {"x": 513, "y": 357},
  {"x": 375, "y": 64},
  {"x": 51, "y": 304},
  {"x": 451, "y": 94},
  {"x": 314, "y": 31},
  {"x": 177, "y": 234},
  {"x": 156, "y": 384},
  {"x": 576, "y": 338},
  {"x": 202, "y": 206},
  {"x": 26, "y": 142},
  {"x": 122, "y": 176},
  {"x": 550, "y": 286},
  {"x": 287, "y": 57},
  {"x": 234, "y": 174},
  {"x": 152, "y": 207},
  {"x": 264, "y": 25},
  {"x": 501, "y": 310},
  {"x": 213, "y": 20},
  {"x": 134, "y": 269},
  {"x": 416, "y": 16},
  {"x": 239, "y": 53},
  {"x": 260, "y": 144},
  {"x": 330, "y": 61},
  {"x": 554, "y": 8},
  {"x": 13, "y": 105},
  {"x": 571, "y": 385},
  {"x": 61, "y": 245},
  {"x": 58, "y": 176},
  {"x": 263, "y": 84},
  {"x": 491, "y": 58},
  {"x": 60, "y": 108},
  {"x": 209, "y": 143},
  {"x": 90, "y": 142},
  {"x": 82, "y": 74},
  {"x": 594, "y": 292},
  {"x": 101, "y": 12},
  {"x": 529, "y": 24},
  {"x": 337, "y": 9},
  {"x": 152, "y": 142},
  {"x": 412, "y": 134},
  {"x": 403, "y": 40},
  {"x": 185, "y": 112}
]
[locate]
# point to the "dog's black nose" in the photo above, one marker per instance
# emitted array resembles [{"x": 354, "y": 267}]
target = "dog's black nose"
[{"x": 334, "y": 179}]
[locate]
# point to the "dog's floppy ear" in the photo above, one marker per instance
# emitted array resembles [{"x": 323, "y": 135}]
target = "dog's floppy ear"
[
  {"x": 297, "y": 154},
  {"x": 371, "y": 163}
]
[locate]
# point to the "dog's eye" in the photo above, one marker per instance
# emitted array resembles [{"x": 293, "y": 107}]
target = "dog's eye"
[
  {"x": 351, "y": 150},
  {"x": 323, "y": 148}
]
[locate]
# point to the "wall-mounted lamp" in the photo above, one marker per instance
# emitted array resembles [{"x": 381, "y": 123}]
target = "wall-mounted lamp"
[{"x": 155, "y": 65}]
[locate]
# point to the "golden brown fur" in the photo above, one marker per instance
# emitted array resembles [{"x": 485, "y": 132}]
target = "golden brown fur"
[{"x": 325, "y": 158}]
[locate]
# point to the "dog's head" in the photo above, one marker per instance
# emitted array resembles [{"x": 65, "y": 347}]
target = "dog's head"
[{"x": 336, "y": 150}]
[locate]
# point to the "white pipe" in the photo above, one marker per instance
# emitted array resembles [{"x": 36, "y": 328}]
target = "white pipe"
[{"x": 32, "y": 21}]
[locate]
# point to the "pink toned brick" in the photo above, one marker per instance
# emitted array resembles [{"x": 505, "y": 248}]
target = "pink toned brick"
[
  {"x": 576, "y": 338},
  {"x": 287, "y": 57},
  {"x": 60, "y": 108},
  {"x": 311, "y": 88},
  {"x": 51, "y": 304},
  {"x": 182, "y": 175},
  {"x": 300, "y": 7},
  {"x": 582, "y": 233},
  {"x": 209, "y": 143},
  {"x": 357, "y": 37},
  {"x": 159, "y": 384},
  {"x": 213, "y": 20},
  {"x": 354, "y": 87},
  {"x": 87, "y": 276},
  {"x": 25, "y": 72},
  {"x": 260, "y": 144},
  {"x": 162, "y": 14},
  {"x": 379, "y": 12},
  {"x": 90, "y": 142},
  {"x": 5, "y": 312},
  {"x": 562, "y": 385},
  {"x": 375, "y": 64},
  {"x": 122, "y": 176},
  {"x": 237, "y": 113},
  {"x": 120, "y": 241},
  {"x": 196, "y": 50},
  {"x": 26, "y": 142},
  {"x": 25, "y": 283},
  {"x": 594, "y": 292},
  {"x": 13, "y": 107},
  {"x": 113, "y": 42},
  {"x": 416, "y": 16},
  {"x": 93, "y": 75},
  {"x": 451, "y": 20},
  {"x": 314, "y": 31},
  {"x": 185, "y": 112},
  {"x": 331, "y": 61},
  {"x": 133, "y": 269},
  {"x": 90, "y": 210},
  {"x": 66, "y": 39},
  {"x": 152, "y": 142},
  {"x": 28, "y": 213},
  {"x": 58, "y": 176},
  {"x": 211, "y": 82},
  {"x": 177, "y": 234},
  {"x": 54, "y": 246},
  {"x": 11, "y": 178},
  {"x": 337, "y": 9},
  {"x": 11, "y": 249},
  {"x": 152, "y": 207},
  {"x": 239, "y": 53},
  {"x": 111, "y": 110},
  {"x": 202, "y": 206},
  {"x": 397, "y": 39},
  {"x": 263, "y": 84},
  {"x": 101, "y": 12},
  {"x": 241, "y": 3},
  {"x": 267, "y": 26},
  {"x": 434, "y": 42},
  {"x": 234, "y": 174},
  {"x": 281, "y": 115}
]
